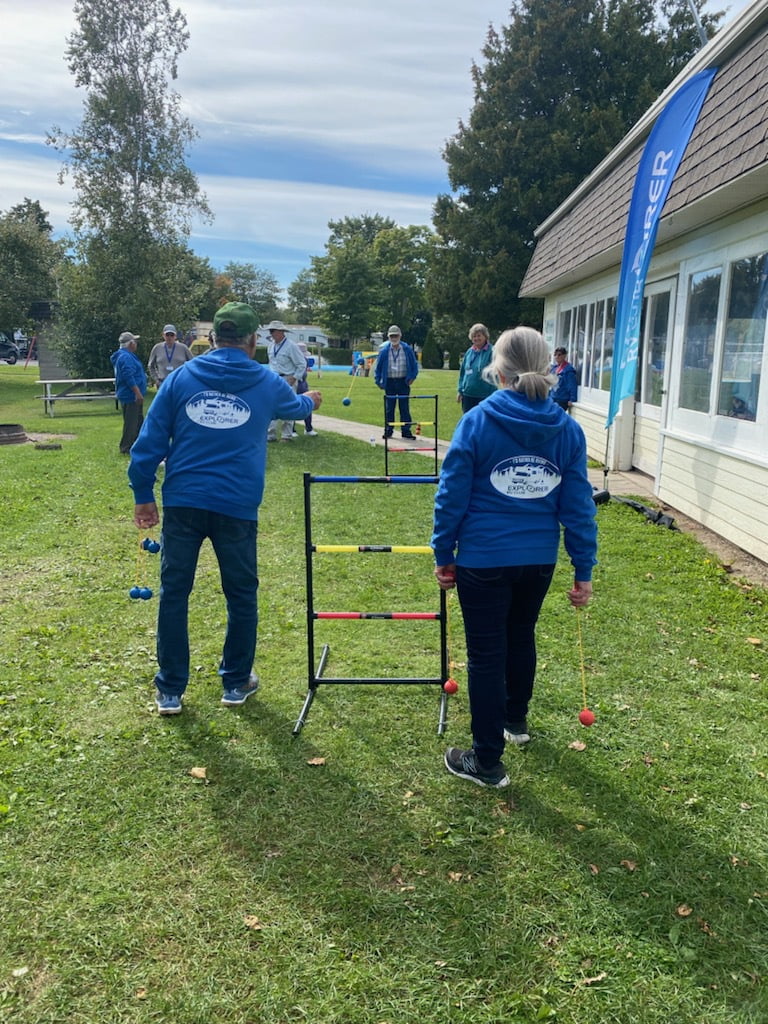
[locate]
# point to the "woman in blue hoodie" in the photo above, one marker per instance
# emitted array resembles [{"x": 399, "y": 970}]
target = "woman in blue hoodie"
[{"x": 515, "y": 472}]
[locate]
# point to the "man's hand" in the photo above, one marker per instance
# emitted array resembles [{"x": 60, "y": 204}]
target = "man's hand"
[
  {"x": 145, "y": 516},
  {"x": 316, "y": 397}
]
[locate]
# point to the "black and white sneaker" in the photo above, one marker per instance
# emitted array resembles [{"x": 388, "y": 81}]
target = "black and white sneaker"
[
  {"x": 517, "y": 732},
  {"x": 464, "y": 763}
]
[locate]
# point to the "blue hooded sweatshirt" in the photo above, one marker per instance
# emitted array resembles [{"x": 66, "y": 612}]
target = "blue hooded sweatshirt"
[
  {"x": 209, "y": 422},
  {"x": 129, "y": 373},
  {"x": 515, "y": 471}
]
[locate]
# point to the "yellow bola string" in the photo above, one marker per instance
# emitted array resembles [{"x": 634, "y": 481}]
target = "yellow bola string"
[
  {"x": 452, "y": 665},
  {"x": 581, "y": 657}
]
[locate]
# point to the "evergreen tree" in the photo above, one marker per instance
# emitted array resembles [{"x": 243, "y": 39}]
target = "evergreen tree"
[{"x": 559, "y": 86}]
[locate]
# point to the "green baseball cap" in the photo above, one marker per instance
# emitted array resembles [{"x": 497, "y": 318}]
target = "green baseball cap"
[{"x": 240, "y": 316}]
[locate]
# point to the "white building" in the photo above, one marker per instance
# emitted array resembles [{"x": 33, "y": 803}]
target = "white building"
[{"x": 698, "y": 424}]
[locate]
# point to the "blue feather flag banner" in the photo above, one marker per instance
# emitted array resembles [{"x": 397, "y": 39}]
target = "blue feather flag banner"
[{"x": 661, "y": 158}]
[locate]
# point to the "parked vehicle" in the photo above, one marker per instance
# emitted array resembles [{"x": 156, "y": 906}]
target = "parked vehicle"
[{"x": 9, "y": 350}]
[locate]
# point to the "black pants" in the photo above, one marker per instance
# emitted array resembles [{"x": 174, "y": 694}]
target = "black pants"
[{"x": 501, "y": 608}]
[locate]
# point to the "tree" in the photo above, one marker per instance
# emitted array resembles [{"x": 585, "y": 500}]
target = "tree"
[
  {"x": 303, "y": 303},
  {"x": 259, "y": 288},
  {"x": 347, "y": 287},
  {"x": 559, "y": 87},
  {"x": 30, "y": 211},
  {"x": 372, "y": 275},
  {"x": 28, "y": 259},
  {"x": 135, "y": 196}
]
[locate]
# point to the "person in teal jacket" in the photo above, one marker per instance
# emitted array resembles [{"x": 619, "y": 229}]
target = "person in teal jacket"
[
  {"x": 514, "y": 475},
  {"x": 130, "y": 387},
  {"x": 473, "y": 387}
]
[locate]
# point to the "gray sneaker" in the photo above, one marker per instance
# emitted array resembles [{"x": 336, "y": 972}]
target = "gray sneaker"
[
  {"x": 464, "y": 763},
  {"x": 234, "y": 698},
  {"x": 517, "y": 732}
]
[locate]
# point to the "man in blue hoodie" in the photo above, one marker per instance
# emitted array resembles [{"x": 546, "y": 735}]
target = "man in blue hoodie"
[
  {"x": 209, "y": 422},
  {"x": 130, "y": 388}
]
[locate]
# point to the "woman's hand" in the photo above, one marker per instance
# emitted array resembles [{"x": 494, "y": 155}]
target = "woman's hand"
[
  {"x": 446, "y": 576},
  {"x": 580, "y": 594}
]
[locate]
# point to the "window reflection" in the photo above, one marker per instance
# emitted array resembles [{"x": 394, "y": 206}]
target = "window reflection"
[{"x": 744, "y": 338}]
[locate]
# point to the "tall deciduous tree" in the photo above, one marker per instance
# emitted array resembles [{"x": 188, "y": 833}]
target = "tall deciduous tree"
[
  {"x": 259, "y": 288},
  {"x": 372, "y": 275},
  {"x": 135, "y": 197},
  {"x": 559, "y": 86},
  {"x": 303, "y": 303}
]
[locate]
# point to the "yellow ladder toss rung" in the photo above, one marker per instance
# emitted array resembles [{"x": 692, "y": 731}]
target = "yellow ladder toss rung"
[
  {"x": 396, "y": 549},
  {"x": 413, "y": 423}
]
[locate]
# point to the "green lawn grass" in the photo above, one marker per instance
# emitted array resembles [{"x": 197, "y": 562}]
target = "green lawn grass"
[
  {"x": 621, "y": 878},
  {"x": 366, "y": 401}
]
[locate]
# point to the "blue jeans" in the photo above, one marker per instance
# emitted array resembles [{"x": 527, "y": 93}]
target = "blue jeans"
[
  {"x": 500, "y": 607},
  {"x": 234, "y": 542},
  {"x": 397, "y": 391}
]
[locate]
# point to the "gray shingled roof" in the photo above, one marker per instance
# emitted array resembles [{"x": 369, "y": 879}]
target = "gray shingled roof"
[{"x": 729, "y": 144}]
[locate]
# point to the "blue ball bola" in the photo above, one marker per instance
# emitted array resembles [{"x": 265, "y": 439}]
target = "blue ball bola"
[
  {"x": 153, "y": 547},
  {"x": 145, "y": 594},
  {"x": 346, "y": 401},
  {"x": 135, "y": 593}
]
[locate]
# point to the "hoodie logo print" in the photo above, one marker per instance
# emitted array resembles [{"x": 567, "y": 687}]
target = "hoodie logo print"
[
  {"x": 525, "y": 476},
  {"x": 218, "y": 410}
]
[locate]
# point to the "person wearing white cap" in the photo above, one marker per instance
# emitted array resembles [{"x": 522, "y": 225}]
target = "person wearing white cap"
[
  {"x": 396, "y": 369},
  {"x": 130, "y": 387},
  {"x": 286, "y": 360},
  {"x": 168, "y": 355}
]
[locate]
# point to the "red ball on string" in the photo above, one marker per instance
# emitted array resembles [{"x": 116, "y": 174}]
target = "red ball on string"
[
  {"x": 450, "y": 686},
  {"x": 587, "y": 717}
]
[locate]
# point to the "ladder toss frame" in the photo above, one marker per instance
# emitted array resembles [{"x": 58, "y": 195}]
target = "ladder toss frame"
[{"x": 316, "y": 677}]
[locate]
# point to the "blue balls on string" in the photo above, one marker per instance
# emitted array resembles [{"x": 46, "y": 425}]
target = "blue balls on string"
[
  {"x": 150, "y": 545},
  {"x": 346, "y": 401},
  {"x": 140, "y": 593}
]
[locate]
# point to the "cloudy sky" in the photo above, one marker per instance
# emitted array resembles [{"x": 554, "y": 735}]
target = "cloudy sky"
[{"x": 307, "y": 110}]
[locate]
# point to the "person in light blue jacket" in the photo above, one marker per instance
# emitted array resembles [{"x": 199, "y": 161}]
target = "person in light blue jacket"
[
  {"x": 515, "y": 473},
  {"x": 209, "y": 423}
]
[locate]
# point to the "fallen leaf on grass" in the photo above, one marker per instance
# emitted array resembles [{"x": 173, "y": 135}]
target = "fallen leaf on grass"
[
  {"x": 745, "y": 807},
  {"x": 577, "y": 745},
  {"x": 754, "y": 640},
  {"x": 704, "y": 926},
  {"x": 593, "y": 981},
  {"x": 19, "y": 972},
  {"x": 595, "y": 870},
  {"x": 141, "y": 993},
  {"x": 630, "y": 865},
  {"x": 316, "y": 760},
  {"x": 198, "y": 773},
  {"x": 683, "y": 910},
  {"x": 455, "y": 876},
  {"x": 252, "y": 922}
]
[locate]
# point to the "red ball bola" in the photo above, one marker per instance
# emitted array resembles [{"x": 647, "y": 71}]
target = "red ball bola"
[
  {"x": 587, "y": 717},
  {"x": 450, "y": 686}
]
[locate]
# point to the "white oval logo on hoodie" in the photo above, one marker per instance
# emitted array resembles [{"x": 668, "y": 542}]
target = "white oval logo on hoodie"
[
  {"x": 218, "y": 410},
  {"x": 525, "y": 476}
]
